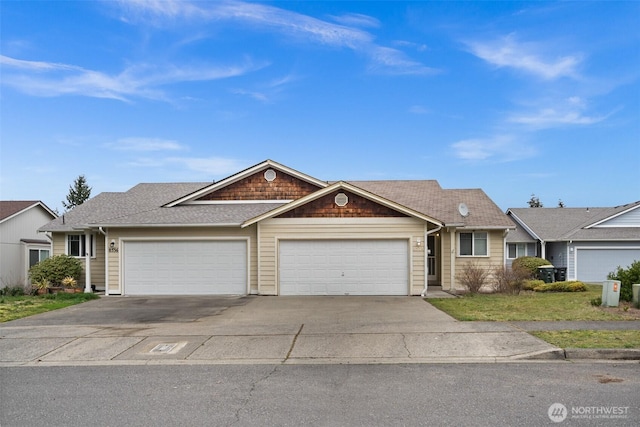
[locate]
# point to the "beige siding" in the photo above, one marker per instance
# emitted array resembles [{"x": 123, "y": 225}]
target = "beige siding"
[
  {"x": 495, "y": 258},
  {"x": 273, "y": 230},
  {"x": 97, "y": 262},
  {"x": 177, "y": 233}
]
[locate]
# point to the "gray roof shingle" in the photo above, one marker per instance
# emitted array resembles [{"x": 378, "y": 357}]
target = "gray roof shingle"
[
  {"x": 560, "y": 224},
  {"x": 143, "y": 204}
]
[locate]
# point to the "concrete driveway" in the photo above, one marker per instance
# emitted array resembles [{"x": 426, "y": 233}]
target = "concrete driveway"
[{"x": 183, "y": 330}]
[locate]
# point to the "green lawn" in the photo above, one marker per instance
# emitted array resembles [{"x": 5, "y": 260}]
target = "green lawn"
[
  {"x": 528, "y": 306},
  {"x": 533, "y": 306},
  {"x": 17, "y": 307},
  {"x": 591, "y": 339}
]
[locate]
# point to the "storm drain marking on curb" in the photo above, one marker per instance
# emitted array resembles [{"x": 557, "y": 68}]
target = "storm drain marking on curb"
[{"x": 168, "y": 348}]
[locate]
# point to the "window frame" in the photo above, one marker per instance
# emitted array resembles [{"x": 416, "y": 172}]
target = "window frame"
[
  {"x": 40, "y": 258},
  {"x": 474, "y": 239},
  {"x": 81, "y": 249}
]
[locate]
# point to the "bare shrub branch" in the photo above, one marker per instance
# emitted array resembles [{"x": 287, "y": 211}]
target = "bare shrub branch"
[{"x": 472, "y": 276}]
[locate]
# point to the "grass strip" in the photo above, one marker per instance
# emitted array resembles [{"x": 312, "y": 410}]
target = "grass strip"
[
  {"x": 591, "y": 339},
  {"x": 17, "y": 307}
]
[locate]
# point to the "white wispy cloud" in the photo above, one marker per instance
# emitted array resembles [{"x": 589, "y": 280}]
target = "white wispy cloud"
[
  {"x": 357, "y": 20},
  {"x": 550, "y": 117},
  {"x": 145, "y": 144},
  {"x": 564, "y": 112},
  {"x": 47, "y": 79},
  {"x": 345, "y": 34},
  {"x": 419, "y": 109},
  {"x": 206, "y": 167},
  {"x": 501, "y": 148},
  {"x": 532, "y": 58}
]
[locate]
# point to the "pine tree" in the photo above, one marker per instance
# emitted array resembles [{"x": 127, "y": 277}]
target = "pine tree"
[
  {"x": 534, "y": 202},
  {"x": 79, "y": 192}
]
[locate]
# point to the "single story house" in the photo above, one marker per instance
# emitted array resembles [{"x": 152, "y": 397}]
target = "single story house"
[
  {"x": 589, "y": 242},
  {"x": 21, "y": 246},
  {"x": 272, "y": 230}
]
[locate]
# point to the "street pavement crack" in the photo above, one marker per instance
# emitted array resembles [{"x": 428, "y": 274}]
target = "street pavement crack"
[
  {"x": 249, "y": 397},
  {"x": 404, "y": 342},
  {"x": 293, "y": 343}
]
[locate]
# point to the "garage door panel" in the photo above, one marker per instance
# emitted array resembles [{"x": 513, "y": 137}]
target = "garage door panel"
[
  {"x": 341, "y": 267},
  {"x": 593, "y": 265},
  {"x": 185, "y": 268}
]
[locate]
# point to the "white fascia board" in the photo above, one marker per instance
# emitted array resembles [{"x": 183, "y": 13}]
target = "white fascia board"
[
  {"x": 346, "y": 186},
  {"x": 235, "y": 202},
  {"x": 595, "y": 224},
  {"x": 243, "y": 174},
  {"x": 31, "y": 207},
  {"x": 235, "y": 224},
  {"x": 523, "y": 225}
]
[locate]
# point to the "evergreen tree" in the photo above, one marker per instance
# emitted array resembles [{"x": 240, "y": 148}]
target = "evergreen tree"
[
  {"x": 79, "y": 192},
  {"x": 534, "y": 202}
]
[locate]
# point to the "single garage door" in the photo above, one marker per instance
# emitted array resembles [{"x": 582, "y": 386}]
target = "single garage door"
[
  {"x": 344, "y": 267},
  {"x": 185, "y": 267},
  {"x": 593, "y": 265}
]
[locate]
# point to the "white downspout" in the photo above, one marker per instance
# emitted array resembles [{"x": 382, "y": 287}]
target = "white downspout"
[
  {"x": 426, "y": 259},
  {"x": 106, "y": 260},
  {"x": 87, "y": 263}
]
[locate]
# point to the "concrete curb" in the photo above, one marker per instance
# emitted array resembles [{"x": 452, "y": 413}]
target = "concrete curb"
[
  {"x": 603, "y": 353},
  {"x": 587, "y": 354}
]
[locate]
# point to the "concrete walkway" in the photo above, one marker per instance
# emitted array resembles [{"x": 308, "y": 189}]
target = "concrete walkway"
[{"x": 273, "y": 330}]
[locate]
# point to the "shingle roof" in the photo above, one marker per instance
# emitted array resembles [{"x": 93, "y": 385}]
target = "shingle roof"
[
  {"x": 143, "y": 205},
  {"x": 559, "y": 224},
  {"x": 429, "y": 198},
  {"x": 12, "y": 207}
]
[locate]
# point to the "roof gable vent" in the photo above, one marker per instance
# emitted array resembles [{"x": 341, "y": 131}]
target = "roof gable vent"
[
  {"x": 341, "y": 199},
  {"x": 270, "y": 175}
]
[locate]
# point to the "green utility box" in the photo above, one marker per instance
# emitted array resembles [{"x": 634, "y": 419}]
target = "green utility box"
[
  {"x": 635, "y": 288},
  {"x": 546, "y": 273},
  {"x": 611, "y": 293}
]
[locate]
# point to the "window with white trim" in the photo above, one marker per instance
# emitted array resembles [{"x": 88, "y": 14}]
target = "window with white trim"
[
  {"x": 76, "y": 245},
  {"x": 516, "y": 250},
  {"x": 475, "y": 243},
  {"x": 37, "y": 255}
]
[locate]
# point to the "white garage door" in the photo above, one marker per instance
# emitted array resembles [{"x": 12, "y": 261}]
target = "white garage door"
[
  {"x": 185, "y": 267},
  {"x": 344, "y": 267},
  {"x": 593, "y": 265}
]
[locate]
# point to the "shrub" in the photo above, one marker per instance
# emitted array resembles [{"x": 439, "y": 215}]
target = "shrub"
[
  {"x": 561, "y": 287},
  {"x": 55, "y": 269},
  {"x": 596, "y": 302},
  {"x": 12, "y": 291},
  {"x": 530, "y": 284},
  {"x": 627, "y": 277},
  {"x": 472, "y": 276},
  {"x": 529, "y": 264},
  {"x": 509, "y": 280}
]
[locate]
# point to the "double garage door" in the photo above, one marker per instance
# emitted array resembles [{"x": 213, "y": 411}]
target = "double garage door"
[
  {"x": 343, "y": 267},
  {"x": 306, "y": 267},
  {"x": 185, "y": 267}
]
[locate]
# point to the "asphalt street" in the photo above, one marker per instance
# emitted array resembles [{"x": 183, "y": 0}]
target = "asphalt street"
[{"x": 516, "y": 394}]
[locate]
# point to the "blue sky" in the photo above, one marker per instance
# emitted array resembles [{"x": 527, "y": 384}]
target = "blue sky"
[{"x": 512, "y": 97}]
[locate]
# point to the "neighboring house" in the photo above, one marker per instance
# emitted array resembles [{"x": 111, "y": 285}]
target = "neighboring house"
[
  {"x": 589, "y": 242},
  {"x": 271, "y": 230},
  {"x": 21, "y": 246}
]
